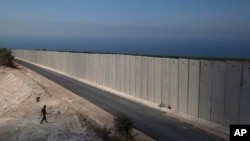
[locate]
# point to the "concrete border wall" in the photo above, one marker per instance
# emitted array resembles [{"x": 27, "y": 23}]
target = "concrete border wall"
[
  {"x": 232, "y": 94},
  {"x": 138, "y": 76},
  {"x": 183, "y": 85},
  {"x": 157, "y": 81},
  {"x": 151, "y": 79},
  {"x": 206, "y": 72},
  {"x": 245, "y": 95},
  {"x": 174, "y": 83},
  {"x": 211, "y": 90},
  {"x": 165, "y": 81},
  {"x": 193, "y": 87},
  {"x": 132, "y": 75},
  {"x": 144, "y": 78},
  {"x": 127, "y": 71},
  {"x": 218, "y": 91}
]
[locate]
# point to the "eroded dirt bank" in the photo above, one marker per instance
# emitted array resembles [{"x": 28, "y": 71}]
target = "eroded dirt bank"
[{"x": 20, "y": 112}]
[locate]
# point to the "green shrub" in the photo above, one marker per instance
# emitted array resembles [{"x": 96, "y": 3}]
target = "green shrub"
[
  {"x": 124, "y": 126},
  {"x": 6, "y": 56},
  {"x": 105, "y": 132}
]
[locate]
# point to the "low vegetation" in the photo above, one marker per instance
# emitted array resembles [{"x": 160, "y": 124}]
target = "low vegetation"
[
  {"x": 6, "y": 57},
  {"x": 123, "y": 128}
]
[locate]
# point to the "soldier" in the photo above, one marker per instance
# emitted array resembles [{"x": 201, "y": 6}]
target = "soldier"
[{"x": 43, "y": 113}]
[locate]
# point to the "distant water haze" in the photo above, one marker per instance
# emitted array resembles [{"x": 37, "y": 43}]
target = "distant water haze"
[{"x": 147, "y": 46}]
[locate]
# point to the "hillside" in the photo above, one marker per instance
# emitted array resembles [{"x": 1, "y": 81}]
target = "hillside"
[
  {"x": 71, "y": 118},
  {"x": 20, "y": 112}
]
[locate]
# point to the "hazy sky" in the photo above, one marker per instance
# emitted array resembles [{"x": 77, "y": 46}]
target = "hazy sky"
[{"x": 167, "y": 19}]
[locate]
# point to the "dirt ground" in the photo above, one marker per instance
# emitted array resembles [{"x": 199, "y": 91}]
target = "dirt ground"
[{"x": 20, "y": 113}]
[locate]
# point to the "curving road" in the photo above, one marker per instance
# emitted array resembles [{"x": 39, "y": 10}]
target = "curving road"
[{"x": 152, "y": 122}]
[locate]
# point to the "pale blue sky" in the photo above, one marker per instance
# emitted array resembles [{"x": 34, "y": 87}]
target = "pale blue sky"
[
  {"x": 126, "y": 18},
  {"x": 219, "y": 28}
]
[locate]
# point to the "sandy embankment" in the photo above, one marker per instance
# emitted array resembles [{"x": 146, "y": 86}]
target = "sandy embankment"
[{"x": 20, "y": 113}]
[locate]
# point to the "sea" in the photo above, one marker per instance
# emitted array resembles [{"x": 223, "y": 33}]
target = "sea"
[{"x": 185, "y": 48}]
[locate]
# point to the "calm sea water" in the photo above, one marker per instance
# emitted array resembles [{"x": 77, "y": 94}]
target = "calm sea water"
[{"x": 195, "y": 48}]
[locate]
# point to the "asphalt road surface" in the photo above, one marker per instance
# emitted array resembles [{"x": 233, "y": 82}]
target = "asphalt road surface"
[{"x": 152, "y": 122}]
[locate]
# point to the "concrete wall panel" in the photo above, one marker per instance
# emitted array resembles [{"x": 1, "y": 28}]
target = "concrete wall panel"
[
  {"x": 151, "y": 79},
  {"x": 106, "y": 70},
  {"x": 57, "y": 60},
  {"x": 94, "y": 67},
  {"x": 193, "y": 87},
  {"x": 81, "y": 65},
  {"x": 205, "y": 89},
  {"x": 138, "y": 76},
  {"x": 63, "y": 61},
  {"x": 174, "y": 83},
  {"x": 98, "y": 69},
  {"x": 183, "y": 85},
  {"x": 232, "y": 94},
  {"x": 118, "y": 73},
  {"x": 54, "y": 59},
  {"x": 114, "y": 72},
  {"x": 165, "y": 81},
  {"x": 132, "y": 75},
  {"x": 64, "y": 56},
  {"x": 88, "y": 66},
  {"x": 111, "y": 71},
  {"x": 158, "y": 77},
  {"x": 122, "y": 64},
  {"x": 245, "y": 95},
  {"x": 68, "y": 63},
  {"x": 127, "y": 70},
  {"x": 218, "y": 92},
  {"x": 74, "y": 64},
  {"x": 77, "y": 64},
  {"x": 85, "y": 68},
  {"x": 144, "y": 78},
  {"x": 102, "y": 69},
  {"x": 91, "y": 67}
]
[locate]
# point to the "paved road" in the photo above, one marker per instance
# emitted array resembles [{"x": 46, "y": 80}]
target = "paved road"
[{"x": 152, "y": 122}]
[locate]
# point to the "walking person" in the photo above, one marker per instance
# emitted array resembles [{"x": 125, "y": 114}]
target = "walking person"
[{"x": 43, "y": 113}]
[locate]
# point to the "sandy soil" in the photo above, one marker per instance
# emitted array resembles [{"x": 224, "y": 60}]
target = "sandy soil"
[{"x": 20, "y": 112}]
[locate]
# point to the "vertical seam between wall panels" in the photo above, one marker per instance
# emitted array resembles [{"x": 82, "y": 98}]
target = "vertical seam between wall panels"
[
  {"x": 178, "y": 67},
  {"x": 135, "y": 76},
  {"x": 225, "y": 85},
  {"x": 161, "y": 81},
  {"x": 168, "y": 67},
  {"x": 188, "y": 64},
  {"x": 241, "y": 85},
  {"x": 199, "y": 62},
  {"x": 146, "y": 68},
  {"x": 169, "y": 104},
  {"x": 154, "y": 60},
  {"x": 211, "y": 88}
]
